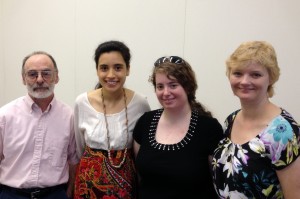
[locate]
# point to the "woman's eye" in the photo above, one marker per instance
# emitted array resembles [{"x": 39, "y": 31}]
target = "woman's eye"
[
  {"x": 173, "y": 86},
  {"x": 159, "y": 87},
  {"x": 256, "y": 75},
  {"x": 237, "y": 74},
  {"x": 103, "y": 68}
]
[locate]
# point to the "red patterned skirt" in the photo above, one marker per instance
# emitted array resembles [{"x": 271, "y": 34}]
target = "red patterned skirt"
[{"x": 97, "y": 178}]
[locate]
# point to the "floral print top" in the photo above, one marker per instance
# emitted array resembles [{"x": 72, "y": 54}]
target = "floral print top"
[{"x": 249, "y": 170}]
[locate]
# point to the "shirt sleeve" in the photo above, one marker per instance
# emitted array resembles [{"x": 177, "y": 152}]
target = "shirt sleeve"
[{"x": 79, "y": 135}]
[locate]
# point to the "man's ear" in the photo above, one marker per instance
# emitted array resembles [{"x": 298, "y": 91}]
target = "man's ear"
[
  {"x": 56, "y": 78},
  {"x": 23, "y": 78}
]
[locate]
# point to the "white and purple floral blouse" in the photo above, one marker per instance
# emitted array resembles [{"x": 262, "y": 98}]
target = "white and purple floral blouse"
[{"x": 249, "y": 170}]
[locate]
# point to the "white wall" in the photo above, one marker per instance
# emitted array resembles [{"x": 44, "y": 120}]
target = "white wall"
[{"x": 204, "y": 32}]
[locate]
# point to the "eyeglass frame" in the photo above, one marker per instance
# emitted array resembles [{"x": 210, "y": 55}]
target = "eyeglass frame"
[
  {"x": 170, "y": 59},
  {"x": 40, "y": 72}
]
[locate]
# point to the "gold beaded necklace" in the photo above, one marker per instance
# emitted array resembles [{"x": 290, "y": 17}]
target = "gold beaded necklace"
[{"x": 107, "y": 131}]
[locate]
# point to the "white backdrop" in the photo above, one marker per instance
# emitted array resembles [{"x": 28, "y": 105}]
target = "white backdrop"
[{"x": 204, "y": 32}]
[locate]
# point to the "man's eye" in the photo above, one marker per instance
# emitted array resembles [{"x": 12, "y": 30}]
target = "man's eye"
[
  {"x": 46, "y": 73},
  {"x": 32, "y": 74}
]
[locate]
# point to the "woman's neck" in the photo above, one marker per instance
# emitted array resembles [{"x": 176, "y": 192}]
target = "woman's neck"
[
  {"x": 258, "y": 111},
  {"x": 174, "y": 115},
  {"x": 112, "y": 97}
]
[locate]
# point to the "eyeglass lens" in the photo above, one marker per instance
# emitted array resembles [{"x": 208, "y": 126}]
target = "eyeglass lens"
[{"x": 33, "y": 74}]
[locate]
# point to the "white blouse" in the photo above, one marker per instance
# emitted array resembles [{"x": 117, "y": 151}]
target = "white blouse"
[{"x": 90, "y": 127}]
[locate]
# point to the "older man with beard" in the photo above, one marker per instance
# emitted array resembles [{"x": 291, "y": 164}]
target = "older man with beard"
[{"x": 37, "y": 146}]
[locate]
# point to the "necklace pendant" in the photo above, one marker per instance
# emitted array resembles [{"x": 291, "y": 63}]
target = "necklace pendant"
[{"x": 119, "y": 153}]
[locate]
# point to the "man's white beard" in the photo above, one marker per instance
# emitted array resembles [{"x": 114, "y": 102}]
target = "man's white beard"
[{"x": 40, "y": 94}]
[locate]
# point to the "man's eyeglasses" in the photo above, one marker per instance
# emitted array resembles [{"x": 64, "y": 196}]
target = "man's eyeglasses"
[
  {"x": 171, "y": 59},
  {"x": 33, "y": 74}
]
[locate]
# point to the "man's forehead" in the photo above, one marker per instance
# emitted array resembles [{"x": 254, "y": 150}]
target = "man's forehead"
[{"x": 40, "y": 61}]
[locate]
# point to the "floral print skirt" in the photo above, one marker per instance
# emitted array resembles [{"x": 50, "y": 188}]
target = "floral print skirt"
[{"x": 97, "y": 178}]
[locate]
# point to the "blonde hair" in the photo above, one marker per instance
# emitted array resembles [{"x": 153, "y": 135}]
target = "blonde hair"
[{"x": 260, "y": 52}]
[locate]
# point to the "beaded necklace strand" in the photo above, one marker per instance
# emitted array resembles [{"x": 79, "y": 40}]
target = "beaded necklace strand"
[{"x": 107, "y": 131}]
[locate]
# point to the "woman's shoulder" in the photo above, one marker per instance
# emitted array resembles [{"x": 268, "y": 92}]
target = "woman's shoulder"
[
  {"x": 149, "y": 115},
  {"x": 87, "y": 97},
  {"x": 136, "y": 95},
  {"x": 208, "y": 122},
  {"x": 285, "y": 115},
  {"x": 204, "y": 117},
  {"x": 81, "y": 97},
  {"x": 138, "y": 98},
  {"x": 147, "y": 118},
  {"x": 232, "y": 115}
]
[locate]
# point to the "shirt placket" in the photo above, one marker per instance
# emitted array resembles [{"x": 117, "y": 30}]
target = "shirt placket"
[{"x": 39, "y": 134}]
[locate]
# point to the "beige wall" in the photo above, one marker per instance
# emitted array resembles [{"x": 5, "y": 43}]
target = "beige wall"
[{"x": 204, "y": 32}]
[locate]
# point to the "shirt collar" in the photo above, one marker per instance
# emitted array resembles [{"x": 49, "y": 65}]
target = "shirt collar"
[{"x": 32, "y": 106}]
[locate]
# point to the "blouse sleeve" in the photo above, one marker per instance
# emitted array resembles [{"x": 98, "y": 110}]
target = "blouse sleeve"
[
  {"x": 139, "y": 129},
  {"x": 216, "y": 135},
  {"x": 282, "y": 141},
  {"x": 79, "y": 135}
]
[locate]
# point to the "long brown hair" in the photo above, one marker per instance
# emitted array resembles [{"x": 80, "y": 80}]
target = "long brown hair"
[{"x": 184, "y": 74}]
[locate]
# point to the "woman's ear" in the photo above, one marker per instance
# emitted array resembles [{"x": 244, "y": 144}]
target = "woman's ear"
[{"x": 128, "y": 70}]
